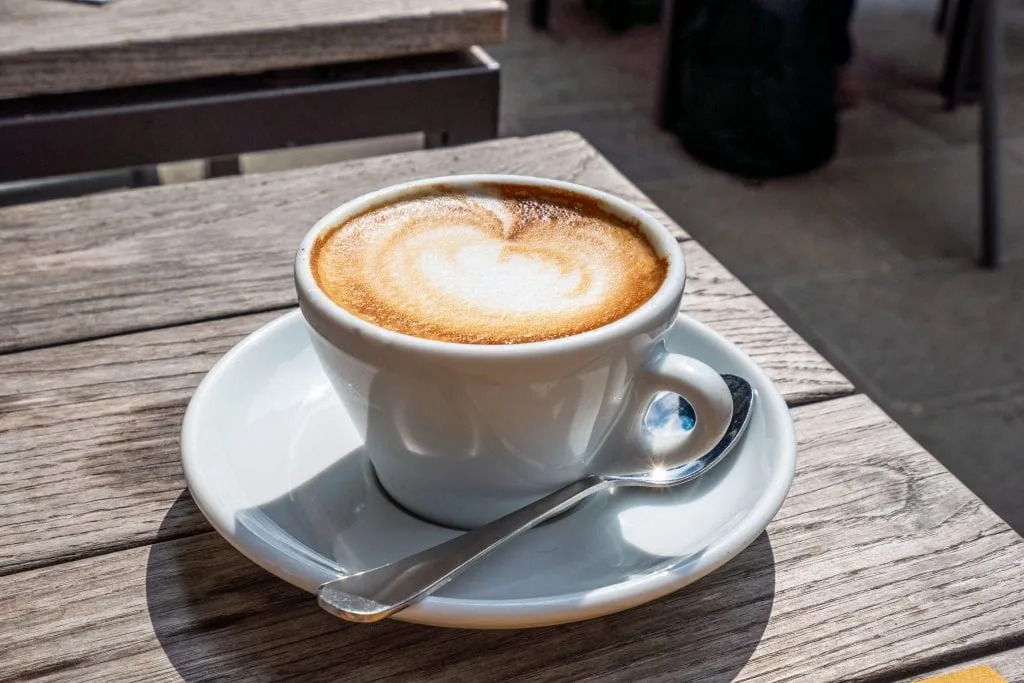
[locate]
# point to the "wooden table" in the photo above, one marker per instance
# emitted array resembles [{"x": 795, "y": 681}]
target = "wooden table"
[
  {"x": 85, "y": 88},
  {"x": 880, "y": 565}
]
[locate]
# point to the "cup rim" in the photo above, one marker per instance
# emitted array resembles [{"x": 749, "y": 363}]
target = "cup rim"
[{"x": 645, "y": 317}]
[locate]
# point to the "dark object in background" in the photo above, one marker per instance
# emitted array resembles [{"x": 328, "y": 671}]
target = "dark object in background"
[
  {"x": 971, "y": 70},
  {"x": 752, "y": 83},
  {"x": 618, "y": 15},
  {"x": 451, "y": 97},
  {"x": 961, "y": 71}
]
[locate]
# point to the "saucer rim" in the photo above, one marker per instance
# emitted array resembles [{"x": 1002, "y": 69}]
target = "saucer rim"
[{"x": 522, "y": 612}]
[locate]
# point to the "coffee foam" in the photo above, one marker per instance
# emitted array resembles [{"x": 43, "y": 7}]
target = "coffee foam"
[{"x": 504, "y": 265}]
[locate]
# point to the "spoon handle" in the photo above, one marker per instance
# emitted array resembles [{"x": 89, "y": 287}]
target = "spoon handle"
[{"x": 375, "y": 594}]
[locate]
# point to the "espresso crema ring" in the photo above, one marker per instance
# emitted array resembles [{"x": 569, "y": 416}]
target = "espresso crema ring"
[{"x": 487, "y": 267}]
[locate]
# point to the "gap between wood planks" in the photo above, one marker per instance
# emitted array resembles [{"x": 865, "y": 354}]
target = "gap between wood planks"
[
  {"x": 150, "y": 328},
  {"x": 195, "y": 321},
  {"x": 946, "y": 660}
]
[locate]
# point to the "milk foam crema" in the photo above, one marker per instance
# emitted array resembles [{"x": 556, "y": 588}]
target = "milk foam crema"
[{"x": 498, "y": 265}]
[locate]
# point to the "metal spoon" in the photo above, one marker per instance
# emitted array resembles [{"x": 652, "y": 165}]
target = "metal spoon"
[{"x": 377, "y": 593}]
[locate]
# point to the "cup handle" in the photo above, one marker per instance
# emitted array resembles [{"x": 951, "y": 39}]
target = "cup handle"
[{"x": 695, "y": 381}]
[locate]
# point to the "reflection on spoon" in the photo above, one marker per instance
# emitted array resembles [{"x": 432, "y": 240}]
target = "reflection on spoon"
[{"x": 377, "y": 593}]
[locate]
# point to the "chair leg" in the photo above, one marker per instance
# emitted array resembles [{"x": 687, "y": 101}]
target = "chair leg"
[
  {"x": 539, "y": 11},
  {"x": 473, "y": 115},
  {"x": 222, "y": 166},
  {"x": 960, "y": 71},
  {"x": 943, "y": 16},
  {"x": 618, "y": 15},
  {"x": 991, "y": 197},
  {"x": 668, "y": 96}
]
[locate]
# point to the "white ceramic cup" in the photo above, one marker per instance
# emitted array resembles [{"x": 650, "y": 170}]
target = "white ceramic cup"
[{"x": 462, "y": 434}]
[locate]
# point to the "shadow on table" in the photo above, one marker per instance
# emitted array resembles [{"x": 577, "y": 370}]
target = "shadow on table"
[{"x": 217, "y": 615}]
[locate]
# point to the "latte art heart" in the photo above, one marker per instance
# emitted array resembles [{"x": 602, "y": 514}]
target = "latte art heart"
[{"x": 486, "y": 268}]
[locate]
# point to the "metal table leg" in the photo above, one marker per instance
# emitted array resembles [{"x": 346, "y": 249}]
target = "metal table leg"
[
  {"x": 668, "y": 93},
  {"x": 219, "y": 167},
  {"x": 540, "y": 10},
  {"x": 991, "y": 209},
  {"x": 944, "y": 16}
]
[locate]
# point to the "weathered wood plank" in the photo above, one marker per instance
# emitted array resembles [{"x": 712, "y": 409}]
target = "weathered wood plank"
[
  {"x": 879, "y": 559},
  {"x": 50, "y": 47},
  {"x": 90, "y": 446},
  {"x": 107, "y": 264},
  {"x": 90, "y": 451}
]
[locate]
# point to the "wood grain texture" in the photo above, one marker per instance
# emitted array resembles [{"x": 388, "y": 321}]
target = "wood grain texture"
[
  {"x": 50, "y": 47},
  {"x": 107, "y": 264},
  {"x": 90, "y": 448},
  {"x": 91, "y": 429},
  {"x": 878, "y": 562},
  {"x": 90, "y": 455}
]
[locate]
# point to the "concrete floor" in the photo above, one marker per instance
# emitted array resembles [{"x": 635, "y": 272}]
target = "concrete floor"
[{"x": 872, "y": 258}]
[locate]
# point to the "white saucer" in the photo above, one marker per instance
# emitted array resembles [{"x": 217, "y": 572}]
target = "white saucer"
[{"x": 274, "y": 463}]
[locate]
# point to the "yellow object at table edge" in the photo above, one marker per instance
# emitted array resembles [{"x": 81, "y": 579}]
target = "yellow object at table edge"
[{"x": 976, "y": 674}]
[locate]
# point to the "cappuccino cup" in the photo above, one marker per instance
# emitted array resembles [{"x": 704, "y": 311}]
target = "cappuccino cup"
[{"x": 494, "y": 338}]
